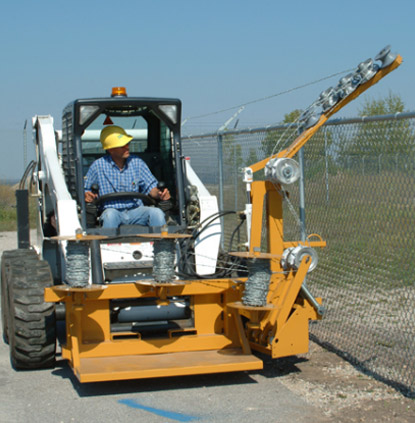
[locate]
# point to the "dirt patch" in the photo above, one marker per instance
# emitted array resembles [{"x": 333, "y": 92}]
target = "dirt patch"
[{"x": 343, "y": 393}]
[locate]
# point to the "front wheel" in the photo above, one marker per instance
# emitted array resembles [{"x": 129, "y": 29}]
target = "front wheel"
[
  {"x": 31, "y": 321},
  {"x": 6, "y": 259}
]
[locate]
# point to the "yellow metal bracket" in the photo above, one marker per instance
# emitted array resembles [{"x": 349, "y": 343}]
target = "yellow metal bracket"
[{"x": 255, "y": 314}]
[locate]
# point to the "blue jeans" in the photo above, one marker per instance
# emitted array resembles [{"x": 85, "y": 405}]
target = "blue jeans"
[{"x": 143, "y": 215}]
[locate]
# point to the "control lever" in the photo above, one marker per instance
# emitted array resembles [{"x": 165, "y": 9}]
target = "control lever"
[
  {"x": 161, "y": 186},
  {"x": 164, "y": 205},
  {"x": 95, "y": 189},
  {"x": 91, "y": 209}
]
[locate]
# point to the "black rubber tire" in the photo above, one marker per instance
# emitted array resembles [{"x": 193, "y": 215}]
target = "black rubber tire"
[
  {"x": 32, "y": 322},
  {"x": 4, "y": 304},
  {"x": 6, "y": 258}
]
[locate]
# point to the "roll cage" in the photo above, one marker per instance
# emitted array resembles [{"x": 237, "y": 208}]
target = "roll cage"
[{"x": 153, "y": 122}]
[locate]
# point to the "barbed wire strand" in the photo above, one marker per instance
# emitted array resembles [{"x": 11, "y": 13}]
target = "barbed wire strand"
[{"x": 258, "y": 100}]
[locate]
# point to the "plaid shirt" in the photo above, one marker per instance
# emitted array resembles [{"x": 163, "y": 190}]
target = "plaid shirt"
[{"x": 134, "y": 177}]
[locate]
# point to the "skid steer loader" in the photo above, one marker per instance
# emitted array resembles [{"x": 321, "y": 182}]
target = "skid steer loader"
[{"x": 140, "y": 301}]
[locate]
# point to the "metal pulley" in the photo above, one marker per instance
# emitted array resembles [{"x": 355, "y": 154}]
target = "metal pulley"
[
  {"x": 328, "y": 98},
  {"x": 282, "y": 170},
  {"x": 324, "y": 95},
  {"x": 345, "y": 86},
  {"x": 292, "y": 257},
  {"x": 365, "y": 71},
  {"x": 385, "y": 57},
  {"x": 309, "y": 117}
]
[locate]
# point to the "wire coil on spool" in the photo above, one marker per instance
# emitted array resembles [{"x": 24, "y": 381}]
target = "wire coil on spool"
[
  {"x": 256, "y": 287},
  {"x": 77, "y": 263},
  {"x": 163, "y": 264}
]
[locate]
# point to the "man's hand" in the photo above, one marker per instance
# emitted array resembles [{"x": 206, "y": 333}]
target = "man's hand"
[
  {"x": 160, "y": 195},
  {"x": 90, "y": 196}
]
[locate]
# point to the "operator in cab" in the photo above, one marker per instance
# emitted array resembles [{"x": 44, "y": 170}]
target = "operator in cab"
[{"x": 118, "y": 171}]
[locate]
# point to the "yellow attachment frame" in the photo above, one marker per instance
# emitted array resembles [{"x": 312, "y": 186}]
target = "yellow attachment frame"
[{"x": 216, "y": 342}]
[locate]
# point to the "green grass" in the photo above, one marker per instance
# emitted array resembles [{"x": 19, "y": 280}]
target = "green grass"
[
  {"x": 8, "y": 219},
  {"x": 369, "y": 219}
]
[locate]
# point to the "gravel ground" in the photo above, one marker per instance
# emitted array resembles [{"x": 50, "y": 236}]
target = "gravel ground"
[
  {"x": 341, "y": 391},
  {"x": 315, "y": 387}
]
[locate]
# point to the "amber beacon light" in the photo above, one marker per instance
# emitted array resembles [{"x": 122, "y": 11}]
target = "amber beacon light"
[{"x": 118, "y": 91}]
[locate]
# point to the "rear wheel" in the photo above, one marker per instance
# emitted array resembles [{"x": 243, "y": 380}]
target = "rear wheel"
[{"x": 31, "y": 321}]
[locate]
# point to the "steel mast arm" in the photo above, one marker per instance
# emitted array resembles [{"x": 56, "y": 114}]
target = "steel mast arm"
[{"x": 301, "y": 140}]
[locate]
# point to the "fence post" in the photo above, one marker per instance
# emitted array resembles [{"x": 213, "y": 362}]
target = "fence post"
[
  {"x": 23, "y": 226},
  {"x": 220, "y": 163},
  {"x": 327, "y": 165},
  {"x": 235, "y": 176},
  {"x": 302, "y": 195}
]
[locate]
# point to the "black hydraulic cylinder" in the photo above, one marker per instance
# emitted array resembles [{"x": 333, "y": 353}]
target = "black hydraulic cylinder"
[
  {"x": 151, "y": 328},
  {"x": 152, "y": 313},
  {"x": 96, "y": 263},
  {"x": 23, "y": 227}
]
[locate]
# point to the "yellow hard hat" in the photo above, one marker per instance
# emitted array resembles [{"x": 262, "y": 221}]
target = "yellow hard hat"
[{"x": 114, "y": 136}]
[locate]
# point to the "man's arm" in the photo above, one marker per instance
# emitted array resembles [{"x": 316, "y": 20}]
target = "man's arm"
[{"x": 90, "y": 179}]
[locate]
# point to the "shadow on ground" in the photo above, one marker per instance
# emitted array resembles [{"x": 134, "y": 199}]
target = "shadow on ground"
[{"x": 272, "y": 369}]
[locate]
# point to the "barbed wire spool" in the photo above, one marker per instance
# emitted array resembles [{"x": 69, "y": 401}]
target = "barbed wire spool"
[
  {"x": 257, "y": 284},
  {"x": 77, "y": 263},
  {"x": 163, "y": 262}
]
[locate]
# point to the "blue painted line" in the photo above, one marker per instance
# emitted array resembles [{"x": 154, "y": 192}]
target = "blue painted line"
[{"x": 163, "y": 413}]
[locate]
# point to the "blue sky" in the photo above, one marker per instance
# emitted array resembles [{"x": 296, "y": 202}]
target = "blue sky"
[{"x": 211, "y": 54}]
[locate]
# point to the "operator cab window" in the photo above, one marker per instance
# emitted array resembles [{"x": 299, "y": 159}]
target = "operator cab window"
[{"x": 135, "y": 126}]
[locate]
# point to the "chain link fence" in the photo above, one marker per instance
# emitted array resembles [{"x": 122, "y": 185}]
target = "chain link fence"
[{"x": 360, "y": 197}]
